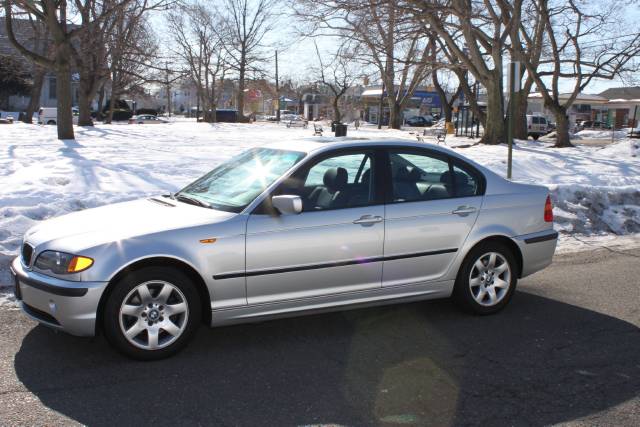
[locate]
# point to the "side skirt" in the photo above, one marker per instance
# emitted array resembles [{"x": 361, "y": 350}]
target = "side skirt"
[{"x": 336, "y": 302}]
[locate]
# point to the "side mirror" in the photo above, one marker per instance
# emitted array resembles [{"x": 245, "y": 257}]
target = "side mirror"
[{"x": 287, "y": 205}]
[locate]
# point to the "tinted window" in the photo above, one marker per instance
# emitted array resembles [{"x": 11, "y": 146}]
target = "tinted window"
[
  {"x": 417, "y": 177},
  {"x": 338, "y": 182},
  {"x": 466, "y": 184},
  {"x": 535, "y": 120}
]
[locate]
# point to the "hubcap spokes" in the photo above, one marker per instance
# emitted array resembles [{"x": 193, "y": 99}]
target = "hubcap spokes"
[
  {"x": 490, "y": 279},
  {"x": 153, "y": 315}
]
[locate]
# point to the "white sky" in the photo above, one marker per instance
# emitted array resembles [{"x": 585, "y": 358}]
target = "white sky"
[{"x": 297, "y": 56}]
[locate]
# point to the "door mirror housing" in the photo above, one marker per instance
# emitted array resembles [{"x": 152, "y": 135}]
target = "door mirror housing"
[{"x": 287, "y": 204}]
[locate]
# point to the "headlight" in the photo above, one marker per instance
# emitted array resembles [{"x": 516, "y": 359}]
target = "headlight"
[{"x": 62, "y": 263}]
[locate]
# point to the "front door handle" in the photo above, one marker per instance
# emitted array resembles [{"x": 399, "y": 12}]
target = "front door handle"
[
  {"x": 464, "y": 210},
  {"x": 368, "y": 220}
]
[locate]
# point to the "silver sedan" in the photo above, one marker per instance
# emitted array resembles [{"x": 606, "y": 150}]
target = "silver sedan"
[{"x": 282, "y": 230}]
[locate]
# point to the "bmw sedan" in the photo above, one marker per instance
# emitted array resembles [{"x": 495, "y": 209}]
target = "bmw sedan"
[{"x": 287, "y": 229}]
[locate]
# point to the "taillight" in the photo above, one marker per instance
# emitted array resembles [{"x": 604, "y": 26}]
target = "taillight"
[{"x": 548, "y": 210}]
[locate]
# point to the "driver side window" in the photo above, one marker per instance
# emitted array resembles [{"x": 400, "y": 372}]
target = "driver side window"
[{"x": 338, "y": 182}]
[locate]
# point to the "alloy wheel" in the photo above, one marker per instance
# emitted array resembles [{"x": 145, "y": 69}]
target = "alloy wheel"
[
  {"x": 153, "y": 315},
  {"x": 490, "y": 279}
]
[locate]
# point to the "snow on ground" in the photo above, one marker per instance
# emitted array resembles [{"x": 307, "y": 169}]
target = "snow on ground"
[{"x": 596, "y": 190}]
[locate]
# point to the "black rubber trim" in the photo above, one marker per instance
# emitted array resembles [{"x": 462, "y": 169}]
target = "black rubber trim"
[
  {"x": 544, "y": 238},
  {"x": 56, "y": 290},
  {"x": 330, "y": 264},
  {"x": 39, "y": 314}
]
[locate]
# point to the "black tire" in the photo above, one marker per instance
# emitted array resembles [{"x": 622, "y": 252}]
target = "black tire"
[
  {"x": 462, "y": 293},
  {"x": 51, "y": 122},
  {"x": 535, "y": 136},
  {"x": 123, "y": 288}
]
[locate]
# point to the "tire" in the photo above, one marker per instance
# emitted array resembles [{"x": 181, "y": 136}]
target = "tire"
[
  {"x": 471, "y": 292},
  {"x": 535, "y": 136},
  {"x": 51, "y": 122},
  {"x": 161, "y": 320}
]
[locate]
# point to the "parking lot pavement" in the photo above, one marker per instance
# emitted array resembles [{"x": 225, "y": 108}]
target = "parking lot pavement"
[{"x": 566, "y": 350}]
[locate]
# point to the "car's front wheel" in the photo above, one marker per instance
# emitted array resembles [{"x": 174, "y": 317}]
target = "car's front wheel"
[
  {"x": 152, "y": 313},
  {"x": 487, "y": 279}
]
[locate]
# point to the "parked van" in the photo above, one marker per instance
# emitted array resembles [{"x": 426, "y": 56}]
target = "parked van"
[
  {"x": 537, "y": 126},
  {"x": 49, "y": 115}
]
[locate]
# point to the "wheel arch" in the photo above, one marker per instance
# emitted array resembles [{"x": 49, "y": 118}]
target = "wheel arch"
[
  {"x": 508, "y": 242},
  {"x": 159, "y": 261}
]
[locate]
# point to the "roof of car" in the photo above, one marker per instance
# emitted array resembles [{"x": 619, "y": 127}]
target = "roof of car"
[{"x": 317, "y": 144}]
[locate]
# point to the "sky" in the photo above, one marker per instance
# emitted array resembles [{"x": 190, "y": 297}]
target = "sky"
[{"x": 297, "y": 58}]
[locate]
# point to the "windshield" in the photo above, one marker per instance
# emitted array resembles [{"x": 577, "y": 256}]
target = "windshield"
[{"x": 235, "y": 183}]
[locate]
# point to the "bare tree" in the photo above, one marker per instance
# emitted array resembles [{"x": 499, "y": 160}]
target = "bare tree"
[
  {"x": 193, "y": 28},
  {"x": 337, "y": 76},
  {"x": 53, "y": 14},
  {"x": 246, "y": 24},
  {"x": 132, "y": 52},
  {"x": 389, "y": 41},
  {"x": 574, "y": 49}
]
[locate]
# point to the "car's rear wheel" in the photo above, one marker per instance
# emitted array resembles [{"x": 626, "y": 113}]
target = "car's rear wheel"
[
  {"x": 152, "y": 313},
  {"x": 487, "y": 279},
  {"x": 51, "y": 122}
]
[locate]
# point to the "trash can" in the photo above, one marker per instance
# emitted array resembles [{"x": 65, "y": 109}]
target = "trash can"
[
  {"x": 341, "y": 129},
  {"x": 333, "y": 125}
]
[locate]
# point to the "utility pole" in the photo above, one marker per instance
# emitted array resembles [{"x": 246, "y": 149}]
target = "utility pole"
[
  {"x": 277, "y": 90},
  {"x": 514, "y": 86}
]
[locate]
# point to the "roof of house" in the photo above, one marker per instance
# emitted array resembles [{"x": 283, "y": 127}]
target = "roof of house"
[{"x": 632, "y": 92}]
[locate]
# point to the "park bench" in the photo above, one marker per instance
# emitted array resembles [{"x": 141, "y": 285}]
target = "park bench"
[
  {"x": 297, "y": 123},
  {"x": 317, "y": 130},
  {"x": 440, "y": 135}
]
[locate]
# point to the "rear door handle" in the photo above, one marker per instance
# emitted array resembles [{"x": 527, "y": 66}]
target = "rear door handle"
[
  {"x": 368, "y": 220},
  {"x": 464, "y": 210}
]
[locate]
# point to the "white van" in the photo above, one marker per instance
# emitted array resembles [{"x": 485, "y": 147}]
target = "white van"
[
  {"x": 537, "y": 126},
  {"x": 49, "y": 115}
]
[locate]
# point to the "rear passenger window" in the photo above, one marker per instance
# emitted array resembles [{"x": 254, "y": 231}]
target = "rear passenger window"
[
  {"x": 424, "y": 177},
  {"x": 535, "y": 120},
  {"x": 466, "y": 184},
  {"x": 419, "y": 177}
]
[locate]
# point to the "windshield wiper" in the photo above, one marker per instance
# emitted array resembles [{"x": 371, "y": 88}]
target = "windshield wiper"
[{"x": 191, "y": 200}]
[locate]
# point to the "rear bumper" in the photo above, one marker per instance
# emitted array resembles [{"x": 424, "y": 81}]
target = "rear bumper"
[
  {"x": 60, "y": 304},
  {"x": 537, "y": 250}
]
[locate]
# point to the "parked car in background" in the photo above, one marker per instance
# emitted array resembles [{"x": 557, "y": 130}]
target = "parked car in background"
[
  {"x": 288, "y": 228},
  {"x": 536, "y": 126},
  {"x": 49, "y": 115},
  {"x": 591, "y": 124},
  {"x": 419, "y": 121},
  {"x": 146, "y": 119}
]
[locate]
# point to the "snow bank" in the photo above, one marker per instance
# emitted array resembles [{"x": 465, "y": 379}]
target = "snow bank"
[{"x": 595, "y": 189}]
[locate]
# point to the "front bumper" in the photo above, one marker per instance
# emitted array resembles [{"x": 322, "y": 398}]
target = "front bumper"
[
  {"x": 537, "y": 250},
  {"x": 60, "y": 304}
]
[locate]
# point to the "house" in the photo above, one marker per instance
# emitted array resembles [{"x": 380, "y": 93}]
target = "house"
[{"x": 28, "y": 36}]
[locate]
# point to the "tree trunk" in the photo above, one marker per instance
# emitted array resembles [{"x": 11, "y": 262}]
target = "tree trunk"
[
  {"x": 494, "y": 125},
  {"x": 36, "y": 90},
  {"x": 380, "y": 106},
  {"x": 520, "y": 130},
  {"x": 336, "y": 110},
  {"x": 85, "y": 95},
  {"x": 395, "y": 115},
  {"x": 562, "y": 129},
  {"x": 240, "y": 96},
  {"x": 63, "y": 95},
  {"x": 112, "y": 105},
  {"x": 100, "y": 101}
]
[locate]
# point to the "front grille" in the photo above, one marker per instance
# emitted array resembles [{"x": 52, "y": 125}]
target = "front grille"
[
  {"x": 27, "y": 253},
  {"x": 40, "y": 315}
]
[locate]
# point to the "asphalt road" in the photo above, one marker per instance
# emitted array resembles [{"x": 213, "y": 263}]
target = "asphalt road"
[{"x": 566, "y": 350}]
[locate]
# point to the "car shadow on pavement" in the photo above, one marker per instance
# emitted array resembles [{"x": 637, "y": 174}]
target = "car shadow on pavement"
[{"x": 538, "y": 362}]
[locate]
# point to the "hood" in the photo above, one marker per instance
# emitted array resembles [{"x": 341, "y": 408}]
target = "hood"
[{"x": 92, "y": 227}]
